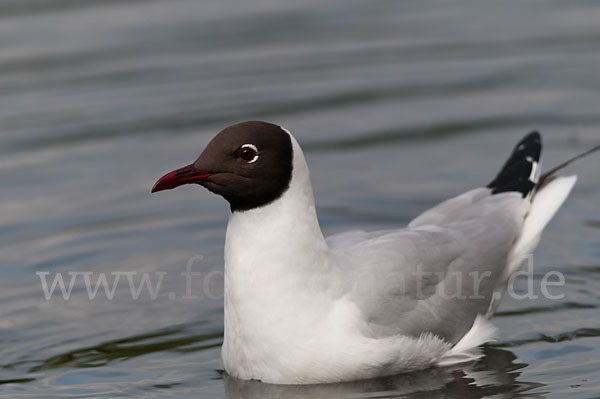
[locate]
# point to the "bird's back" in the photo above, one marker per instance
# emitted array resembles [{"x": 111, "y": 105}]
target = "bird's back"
[{"x": 452, "y": 262}]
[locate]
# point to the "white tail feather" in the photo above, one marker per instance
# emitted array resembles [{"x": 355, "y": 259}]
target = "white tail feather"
[{"x": 545, "y": 204}]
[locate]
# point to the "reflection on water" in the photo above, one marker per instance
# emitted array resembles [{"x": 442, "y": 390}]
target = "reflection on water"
[
  {"x": 398, "y": 105},
  {"x": 497, "y": 373}
]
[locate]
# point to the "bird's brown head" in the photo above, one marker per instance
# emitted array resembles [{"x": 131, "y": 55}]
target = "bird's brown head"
[{"x": 249, "y": 164}]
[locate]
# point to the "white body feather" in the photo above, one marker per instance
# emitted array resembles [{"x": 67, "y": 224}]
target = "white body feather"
[{"x": 302, "y": 309}]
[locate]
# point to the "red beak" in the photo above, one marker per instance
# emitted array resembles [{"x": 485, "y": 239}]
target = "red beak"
[{"x": 186, "y": 175}]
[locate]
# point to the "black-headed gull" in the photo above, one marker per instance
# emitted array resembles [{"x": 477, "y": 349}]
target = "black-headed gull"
[{"x": 301, "y": 308}]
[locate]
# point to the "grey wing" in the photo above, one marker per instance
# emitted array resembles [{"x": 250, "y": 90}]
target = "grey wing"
[{"x": 438, "y": 274}]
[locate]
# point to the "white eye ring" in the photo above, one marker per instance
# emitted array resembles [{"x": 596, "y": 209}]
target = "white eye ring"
[{"x": 253, "y": 148}]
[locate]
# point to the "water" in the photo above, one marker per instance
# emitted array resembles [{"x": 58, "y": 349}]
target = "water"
[{"x": 398, "y": 105}]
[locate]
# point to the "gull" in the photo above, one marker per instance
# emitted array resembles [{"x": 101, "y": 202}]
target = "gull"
[{"x": 300, "y": 308}]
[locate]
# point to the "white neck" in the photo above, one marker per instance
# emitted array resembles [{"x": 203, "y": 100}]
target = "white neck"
[{"x": 284, "y": 230}]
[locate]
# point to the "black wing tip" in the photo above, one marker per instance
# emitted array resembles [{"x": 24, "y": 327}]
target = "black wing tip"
[
  {"x": 533, "y": 135},
  {"x": 530, "y": 145},
  {"x": 519, "y": 173}
]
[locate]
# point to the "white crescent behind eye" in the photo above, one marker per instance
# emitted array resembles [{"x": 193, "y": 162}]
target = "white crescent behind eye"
[{"x": 253, "y": 147}]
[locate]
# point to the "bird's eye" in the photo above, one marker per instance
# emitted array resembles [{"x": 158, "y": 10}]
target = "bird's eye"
[{"x": 248, "y": 153}]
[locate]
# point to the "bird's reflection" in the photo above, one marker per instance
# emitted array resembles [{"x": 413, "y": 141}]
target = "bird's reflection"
[{"x": 495, "y": 374}]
